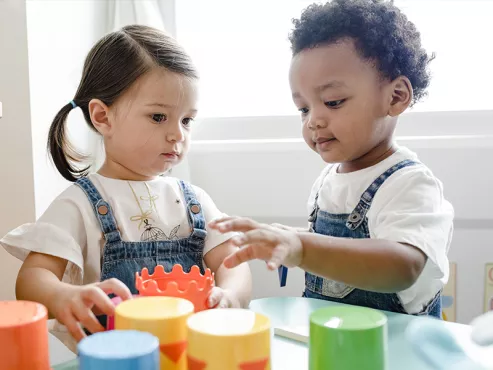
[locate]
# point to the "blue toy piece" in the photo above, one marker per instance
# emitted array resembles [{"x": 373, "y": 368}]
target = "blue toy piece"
[
  {"x": 119, "y": 350},
  {"x": 283, "y": 275}
]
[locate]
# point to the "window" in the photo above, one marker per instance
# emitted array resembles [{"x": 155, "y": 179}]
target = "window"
[{"x": 242, "y": 51}]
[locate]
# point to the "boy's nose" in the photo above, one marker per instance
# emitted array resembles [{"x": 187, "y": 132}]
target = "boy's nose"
[{"x": 317, "y": 123}]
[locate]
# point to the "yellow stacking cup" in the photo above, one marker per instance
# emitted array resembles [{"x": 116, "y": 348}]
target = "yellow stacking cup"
[
  {"x": 228, "y": 339},
  {"x": 165, "y": 318}
]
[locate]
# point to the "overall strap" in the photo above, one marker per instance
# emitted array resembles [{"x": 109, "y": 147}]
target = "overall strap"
[
  {"x": 359, "y": 213},
  {"x": 101, "y": 209},
  {"x": 195, "y": 213}
]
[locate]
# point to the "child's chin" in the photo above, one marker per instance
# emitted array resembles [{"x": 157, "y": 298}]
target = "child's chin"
[{"x": 330, "y": 157}]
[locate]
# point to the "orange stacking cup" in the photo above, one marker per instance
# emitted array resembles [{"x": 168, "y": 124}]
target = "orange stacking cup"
[
  {"x": 23, "y": 336},
  {"x": 192, "y": 286}
]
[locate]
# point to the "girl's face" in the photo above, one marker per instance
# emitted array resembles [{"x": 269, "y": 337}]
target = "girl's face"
[
  {"x": 147, "y": 130},
  {"x": 348, "y": 110}
]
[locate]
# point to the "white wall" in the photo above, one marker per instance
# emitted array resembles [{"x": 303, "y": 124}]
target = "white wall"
[
  {"x": 16, "y": 161},
  {"x": 58, "y": 35},
  {"x": 270, "y": 180}
]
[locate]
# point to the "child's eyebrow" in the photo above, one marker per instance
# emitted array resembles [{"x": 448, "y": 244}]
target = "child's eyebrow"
[
  {"x": 170, "y": 106},
  {"x": 161, "y": 105},
  {"x": 330, "y": 85}
]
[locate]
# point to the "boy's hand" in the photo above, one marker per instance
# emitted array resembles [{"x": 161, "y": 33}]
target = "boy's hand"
[
  {"x": 73, "y": 306},
  {"x": 290, "y": 228},
  {"x": 222, "y": 298},
  {"x": 259, "y": 241}
]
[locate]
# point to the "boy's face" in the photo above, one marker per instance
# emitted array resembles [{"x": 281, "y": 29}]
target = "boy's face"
[{"x": 345, "y": 104}]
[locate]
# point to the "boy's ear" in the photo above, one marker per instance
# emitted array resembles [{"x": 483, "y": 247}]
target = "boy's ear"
[
  {"x": 99, "y": 113},
  {"x": 402, "y": 96}
]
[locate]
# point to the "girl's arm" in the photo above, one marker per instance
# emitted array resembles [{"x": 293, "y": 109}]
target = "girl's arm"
[
  {"x": 235, "y": 283},
  {"x": 39, "y": 280}
]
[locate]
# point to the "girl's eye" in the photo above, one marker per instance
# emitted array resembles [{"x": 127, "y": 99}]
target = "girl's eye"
[
  {"x": 159, "y": 117},
  {"x": 335, "y": 103},
  {"x": 187, "y": 121},
  {"x": 303, "y": 110}
]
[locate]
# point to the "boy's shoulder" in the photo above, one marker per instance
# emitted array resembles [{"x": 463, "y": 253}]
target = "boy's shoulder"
[
  {"x": 416, "y": 179},
  {"x": 412, "y": 187}
]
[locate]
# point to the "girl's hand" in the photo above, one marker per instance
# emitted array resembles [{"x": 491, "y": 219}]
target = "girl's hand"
[
  {"x": 259, "y": 241},
  {"x": 73, "y": 305},
  {"x": 222, "y": 298}
]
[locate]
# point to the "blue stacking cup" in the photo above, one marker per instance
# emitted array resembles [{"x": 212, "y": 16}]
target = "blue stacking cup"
[{"x": 119, "y": 350}]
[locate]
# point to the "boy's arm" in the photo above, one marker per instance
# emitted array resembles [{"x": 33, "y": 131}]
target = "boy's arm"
[
  {"x": 370, "y": 264},
  {"x": 236, "y": 282}
]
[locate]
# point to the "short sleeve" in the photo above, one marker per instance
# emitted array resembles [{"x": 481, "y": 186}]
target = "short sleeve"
[
  {"x": 411, "y": 209},
  {"x": 211, "y": 212},
  {"x": 59, "y": 232}
]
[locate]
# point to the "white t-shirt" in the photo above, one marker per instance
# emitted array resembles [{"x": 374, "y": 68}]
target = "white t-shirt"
[
  {"x": 408, "y": 208},
  {"x": 70, "y": 230}
]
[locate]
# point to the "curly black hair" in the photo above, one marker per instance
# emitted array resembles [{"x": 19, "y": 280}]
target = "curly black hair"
[{"x": 381, "y": 32}]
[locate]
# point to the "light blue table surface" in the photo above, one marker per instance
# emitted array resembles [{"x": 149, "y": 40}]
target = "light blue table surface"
[{"x": 288, "y": 354}]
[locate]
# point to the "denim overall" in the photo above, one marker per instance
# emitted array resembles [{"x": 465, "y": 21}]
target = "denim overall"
[
  {"x": 121, "y": 259},
  {"x": 355, "y": 225}
]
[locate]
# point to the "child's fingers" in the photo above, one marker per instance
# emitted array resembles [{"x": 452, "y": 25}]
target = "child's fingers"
[
  {"x": 115, "y": 286},
  {"x": 85, "y": 316},
  {"x": 224, "y": 303},
  {"x": 258, "y": 236},
  {"x": 97, "y": 297},
  {"x": 214, "y": 223},
  {"x": 215, "y": 297},
  {"x": 247, "y": 253},
  {"x": 278, "y": 257},
  {"x": 237, "y": 224},
  {"x": 73, "y": 327},
  {"x": 282, "y": 227}
]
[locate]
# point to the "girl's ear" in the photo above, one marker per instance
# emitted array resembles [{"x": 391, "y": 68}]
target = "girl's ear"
[
  {"x": 99, "y": 114},
  {"x": 402, "y": 96}
]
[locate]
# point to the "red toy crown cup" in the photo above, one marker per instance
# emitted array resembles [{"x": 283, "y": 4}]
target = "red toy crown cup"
[{"x": 192, "y": 286}]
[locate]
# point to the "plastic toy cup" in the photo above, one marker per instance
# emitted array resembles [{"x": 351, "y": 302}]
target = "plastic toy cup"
[
  {"x": 119, "y": 350},
  {"x": 110, "y": 322},
  {"x": 348, "y": 338},
  {"x": 164, "y": 317},
  {"x": 192, "y": 286},
  {"x": 225, "y": 339},
  {"x": 23, "y": 336}
]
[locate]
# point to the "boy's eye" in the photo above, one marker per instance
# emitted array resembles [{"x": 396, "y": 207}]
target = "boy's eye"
[
  {"x": 159, "y": 117},
  {"x": 303, "y": 110},
  {"x": 187, "y": 121},
  {"x": 335, "y": 103}
]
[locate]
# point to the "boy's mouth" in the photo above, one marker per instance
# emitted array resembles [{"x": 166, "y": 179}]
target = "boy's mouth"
[{"x": 323, "y": 143}]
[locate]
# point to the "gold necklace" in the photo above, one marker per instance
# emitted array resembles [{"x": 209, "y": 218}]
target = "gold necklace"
[
  {"x": 151, "y": 199},
  {"x": 144, "y": 217}
]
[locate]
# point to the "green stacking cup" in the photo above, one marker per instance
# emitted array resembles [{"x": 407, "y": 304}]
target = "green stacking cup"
[{"x": 348, "y": 338}]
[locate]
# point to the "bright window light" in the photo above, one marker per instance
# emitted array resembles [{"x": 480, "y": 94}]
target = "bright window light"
[{"x": 242, "y": 52}]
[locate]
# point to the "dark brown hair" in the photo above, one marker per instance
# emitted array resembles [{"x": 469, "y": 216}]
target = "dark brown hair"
[
  {"x": 381, "y": 32},
  {"x": 110, "y": 68}
]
